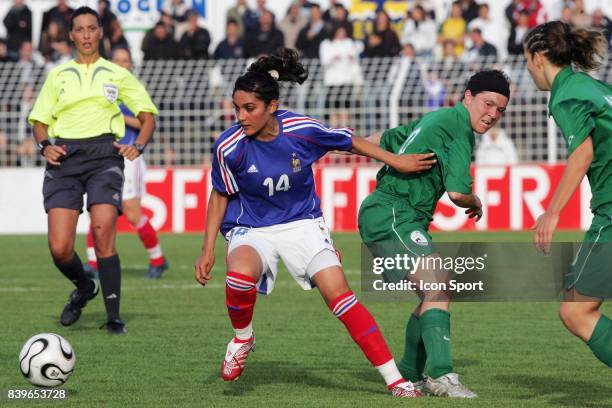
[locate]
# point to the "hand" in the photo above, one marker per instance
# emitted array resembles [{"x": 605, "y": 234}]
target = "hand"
[
  {"x": 53, "y": 154},
  {"x": 204, "y": 265},
  {"x": 127, "y": 151},
  {"x": 476, "y": 210},
  {"x": 544, "y": 227},
  {"x": 414, "y": 163}
]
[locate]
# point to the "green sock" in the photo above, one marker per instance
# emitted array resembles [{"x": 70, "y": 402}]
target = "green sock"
[
  {"x": 435, "y": 331},
  {"x": 413, "y": 362},
  {"x": 601, "y": 341}
]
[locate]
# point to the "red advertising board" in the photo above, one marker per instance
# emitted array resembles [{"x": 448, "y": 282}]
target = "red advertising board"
[{"x": 512, "y": 198}]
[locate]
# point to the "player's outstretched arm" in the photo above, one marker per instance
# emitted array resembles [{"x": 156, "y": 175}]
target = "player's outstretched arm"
[
  {"x": 576, "y": 168},
  {"x": 469, "y": 201},
  {"x": 217, "y": 205},
  {"x": 406, "y": 163}
]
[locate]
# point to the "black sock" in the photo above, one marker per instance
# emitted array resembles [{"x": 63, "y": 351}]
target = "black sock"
[
  {"x": 73, "y": 270},
  {"x": 109, "y": 270}
]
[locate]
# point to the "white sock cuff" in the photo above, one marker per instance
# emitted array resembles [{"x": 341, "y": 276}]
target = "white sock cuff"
[
  {"x": 389, "y": 372},
  {"x": 245, "y": 333}
]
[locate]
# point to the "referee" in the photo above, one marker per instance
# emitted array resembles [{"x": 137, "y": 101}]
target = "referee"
[{"x": 78, "y": 106}]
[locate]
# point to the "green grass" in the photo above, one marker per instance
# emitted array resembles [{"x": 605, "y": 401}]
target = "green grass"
[{"x": 511, "y": 354}]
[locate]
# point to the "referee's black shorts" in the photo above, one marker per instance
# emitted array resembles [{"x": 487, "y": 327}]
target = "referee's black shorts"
[{"x": 91, "y": 166}]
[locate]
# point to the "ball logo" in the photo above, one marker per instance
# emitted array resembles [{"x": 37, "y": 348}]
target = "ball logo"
[{"x": 418, "y": 238}]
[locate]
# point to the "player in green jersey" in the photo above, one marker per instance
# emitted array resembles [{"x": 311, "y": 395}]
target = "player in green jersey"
[
  {"x": 397, "y": 216},
  {"x": 582, "y": 108}
]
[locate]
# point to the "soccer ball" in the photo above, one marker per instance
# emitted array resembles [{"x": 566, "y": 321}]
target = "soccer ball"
[{"x": 46, "y": 360}]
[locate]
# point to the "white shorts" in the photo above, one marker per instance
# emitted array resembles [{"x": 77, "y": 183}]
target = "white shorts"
[
  {"x": 305, "y": 246},
  {"x": 134, "y": 184}
]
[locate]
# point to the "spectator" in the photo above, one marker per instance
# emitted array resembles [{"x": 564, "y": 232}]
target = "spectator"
[
  {"x": 383, "y": 41},
  {"x": 454, "y": 29},
  {"x": 305, "y": 6},
  {"x": 517, "y": 34},
  {"x": 330, "y": 13},
  {"x": 496, "y": 148},
  {"x": 488, "y": 28},
  {"x": 177, "y": 9},
  {"x": 29, "y": 61},
  {"x": 310, "y": 37},
  {"x": 107, "y": 17},
  {"x": 537, "y": 13},
  {"x": 60, "y": 13},
  {"x": 566, "y": 15},
  {"x": 339, "y": 18},
  {"x": 232, "y": 46},
  {"x": 170, "y": 25},
  {"x": 158, "y": 44},
  {"x": 48, "y": 43},
  {"x": 480, "y": 47},
  {"x": 512, "y": 12},
  {"x": 196, "y": 40},
  {"x": 116, "y": 39},
  {"x": 237, "y": 14},
  {"x": 292, "y": 24},
  {"x": 469, "y": 10},
  {"x": 603, "y": 23},
  {"x": 267, "y": 39},
  {"x": 18, "y": 23},
  {"x": 252, "y": 17},
  {"x": 4, "y": 57},
  {"x": 342, "y": 72},
  {"x": 580, "y": 18},
  {"x": 420, "y": 32}
]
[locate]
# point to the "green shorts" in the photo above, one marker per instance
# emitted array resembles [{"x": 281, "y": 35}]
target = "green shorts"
[
  {"x": 591, "y": 271},
  {"x": 389, "y": 226}
]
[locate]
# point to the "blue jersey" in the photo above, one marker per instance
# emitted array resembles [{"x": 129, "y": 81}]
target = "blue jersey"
[
  {"x": 130, "y": 133},
  {"x": 270, "y": 183}
]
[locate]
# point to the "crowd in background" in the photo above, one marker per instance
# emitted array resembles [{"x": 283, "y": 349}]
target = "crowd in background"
[
  {"x": 467, "y": 32},
  {"x": 453, "y": 41}
]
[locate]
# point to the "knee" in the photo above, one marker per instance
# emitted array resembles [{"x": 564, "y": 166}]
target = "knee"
[
  {"x": 245, "y": 261},
  {"x": 133, "y": 215},
  {"x": 103, "y": 244},
  {"x": 61, "y": 252},
  {"x": 570, "y": 315}
]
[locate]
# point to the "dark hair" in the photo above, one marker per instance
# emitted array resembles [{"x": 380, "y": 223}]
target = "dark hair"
[
  {"x": 562, "y": 45},
  {"x": 82, "y": 11},
  {"x": 489, "y": 80},
  {"x": 260, "y": 81}
]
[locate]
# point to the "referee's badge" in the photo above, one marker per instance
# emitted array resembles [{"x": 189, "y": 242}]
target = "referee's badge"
[{"x": 111, "y": 92}]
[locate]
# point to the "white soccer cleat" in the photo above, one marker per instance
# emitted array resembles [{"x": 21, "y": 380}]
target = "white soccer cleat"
[
  {"x": 448, "y": 386},
  {"x": 405, "y": 390},
  {"x": 235, "y": 358}
]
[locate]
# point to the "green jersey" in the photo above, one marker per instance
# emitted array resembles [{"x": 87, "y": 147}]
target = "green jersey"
[
  {"x": 582, "y": 107},
  {"x": 447, "y": 133},
  {"x": 79, "y": 100}
]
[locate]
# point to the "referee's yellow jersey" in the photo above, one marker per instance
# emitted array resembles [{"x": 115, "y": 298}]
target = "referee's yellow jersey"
[{"x": 79, "y": 100}]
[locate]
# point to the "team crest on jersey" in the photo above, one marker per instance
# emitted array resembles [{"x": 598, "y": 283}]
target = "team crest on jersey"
[
  {"x": 111, "y": 92},
  {"x": 295, "y": 163},
  {"x": 418, "y": 238}
]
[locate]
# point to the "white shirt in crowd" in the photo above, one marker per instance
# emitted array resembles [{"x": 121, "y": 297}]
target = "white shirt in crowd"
[
  {"x": 340, "y": 61},
  {"x": 496, "y": 148},
  {"x": 422, "y": 37}
]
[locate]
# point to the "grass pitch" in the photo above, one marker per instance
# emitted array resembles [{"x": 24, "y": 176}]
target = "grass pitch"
[{"x": 511, "y": 354}]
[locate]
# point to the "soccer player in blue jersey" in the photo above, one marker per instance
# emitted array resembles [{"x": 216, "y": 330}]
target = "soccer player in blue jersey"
[
  {"x": 264, "y": 202},
  {"x": 133, "y": 191}
]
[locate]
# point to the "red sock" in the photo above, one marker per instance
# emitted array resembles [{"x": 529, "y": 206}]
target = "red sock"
[
  {"x": 362, "y": 327},
  {"x": 148, "y": 236},
  {"x": 240, "y": 296},
  {"x": 91, "y": 252}
]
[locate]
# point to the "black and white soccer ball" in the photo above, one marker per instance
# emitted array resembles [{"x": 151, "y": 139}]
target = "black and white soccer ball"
[{"x": 47, "y": 360}]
